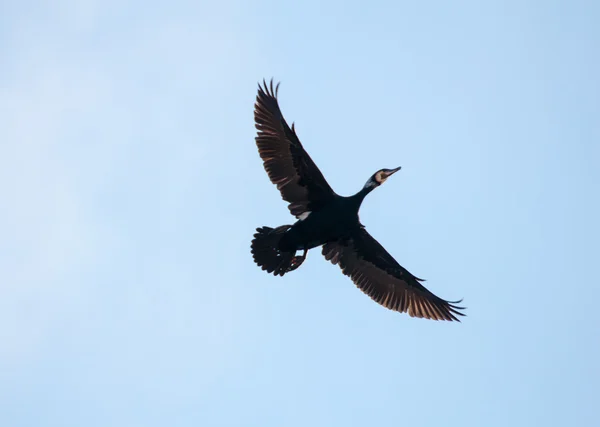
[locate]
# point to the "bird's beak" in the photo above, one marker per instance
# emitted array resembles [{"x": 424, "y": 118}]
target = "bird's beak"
[{"x": 392, "y": 171}]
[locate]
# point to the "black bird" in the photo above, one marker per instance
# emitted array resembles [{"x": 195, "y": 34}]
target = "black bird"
[{"x": 325, "y": 218}]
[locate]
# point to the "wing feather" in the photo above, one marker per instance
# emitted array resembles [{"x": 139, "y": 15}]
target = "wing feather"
[
  {"x": 287, "y": 164},
  {"x": 379, "y": 275}
]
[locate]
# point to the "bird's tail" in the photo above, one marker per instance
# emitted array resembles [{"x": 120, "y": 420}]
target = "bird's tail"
[{"x": 266, "y": 252}]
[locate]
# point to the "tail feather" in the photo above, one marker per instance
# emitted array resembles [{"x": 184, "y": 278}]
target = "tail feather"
[{"x": 266, "y": 252}]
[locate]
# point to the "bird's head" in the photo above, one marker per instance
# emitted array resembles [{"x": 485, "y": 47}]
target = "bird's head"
[{"x": 379, "y": 177}]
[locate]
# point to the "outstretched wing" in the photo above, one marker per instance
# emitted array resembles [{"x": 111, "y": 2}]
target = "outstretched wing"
[
  {"x": 375, "y": 272},
  {"x": 299, "y": 180}
]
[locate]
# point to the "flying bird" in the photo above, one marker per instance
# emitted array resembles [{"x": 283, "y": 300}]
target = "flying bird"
[{"x": 327, "y": 219}]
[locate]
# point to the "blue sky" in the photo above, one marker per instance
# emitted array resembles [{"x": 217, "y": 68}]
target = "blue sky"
[{"x": 131, "y": 187}]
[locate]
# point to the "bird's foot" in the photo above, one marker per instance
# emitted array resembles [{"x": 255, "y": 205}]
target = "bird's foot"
[{"x": 297, "y": 261}]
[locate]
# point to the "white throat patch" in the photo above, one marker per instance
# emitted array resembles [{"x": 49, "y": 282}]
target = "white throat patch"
[{"x": 303, "y": 215}]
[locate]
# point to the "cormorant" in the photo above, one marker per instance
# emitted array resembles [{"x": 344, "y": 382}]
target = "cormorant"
[{"x": 330, "y": 220}]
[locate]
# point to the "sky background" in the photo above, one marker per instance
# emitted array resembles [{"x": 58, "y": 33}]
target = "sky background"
[{"x": 131, "y": 187}]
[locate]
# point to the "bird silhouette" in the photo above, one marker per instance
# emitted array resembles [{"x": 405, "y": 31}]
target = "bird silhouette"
[{"x": 327, "y": 219}]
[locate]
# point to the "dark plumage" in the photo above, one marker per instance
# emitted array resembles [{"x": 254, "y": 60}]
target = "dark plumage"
[{"x": 330, "y": 220}]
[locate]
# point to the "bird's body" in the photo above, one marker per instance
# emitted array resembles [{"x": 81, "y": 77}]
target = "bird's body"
[
  {"x": 334, "y": 221},
  {"x": 327, "y": 219}
]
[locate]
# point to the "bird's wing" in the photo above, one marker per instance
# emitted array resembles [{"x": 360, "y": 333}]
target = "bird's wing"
[
  {"x": 375, "y": 272},
  {"x": 299, "y": 180}
]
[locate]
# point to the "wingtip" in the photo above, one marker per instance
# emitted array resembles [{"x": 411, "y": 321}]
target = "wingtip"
[
  {"x": 453, "y": 305},
  {"x": 270, "y": 89}
]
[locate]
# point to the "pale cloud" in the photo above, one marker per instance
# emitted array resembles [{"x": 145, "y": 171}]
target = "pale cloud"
[
  {"x": 72, "y": 116},
  {"x": 45, "y": 234}
]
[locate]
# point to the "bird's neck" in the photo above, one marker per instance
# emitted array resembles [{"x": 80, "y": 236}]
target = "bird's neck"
[{"x": 360, "y": 196}]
